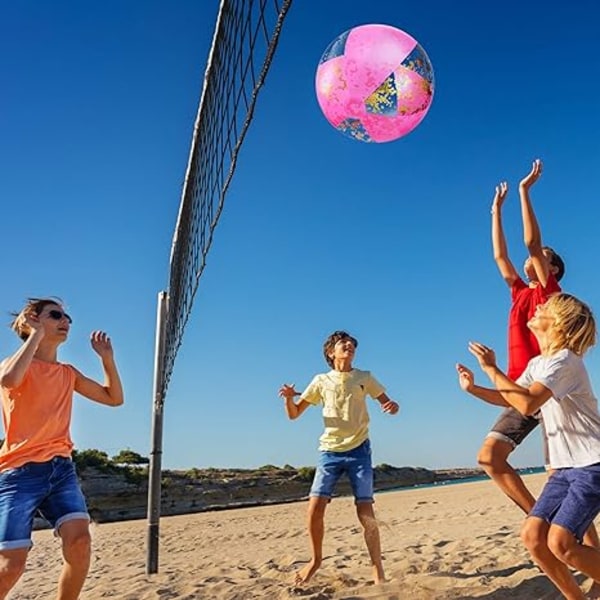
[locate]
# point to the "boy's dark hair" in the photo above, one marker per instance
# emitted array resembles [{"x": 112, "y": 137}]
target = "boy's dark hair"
[
  {"x": 332, "y": 340},
  {"x": 556, "y": 261}
]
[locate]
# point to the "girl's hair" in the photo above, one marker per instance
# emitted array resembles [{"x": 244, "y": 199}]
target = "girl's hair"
[
  {"x": 332, "y": 340},
  {"x": 574, "y": 324},
  {"x": 32, "y": 306}
]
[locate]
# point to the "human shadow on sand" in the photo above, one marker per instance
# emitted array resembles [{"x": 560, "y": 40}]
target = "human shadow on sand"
[
  {"x": 485, "y": 573},
  {"x": 538, "y": 587}
]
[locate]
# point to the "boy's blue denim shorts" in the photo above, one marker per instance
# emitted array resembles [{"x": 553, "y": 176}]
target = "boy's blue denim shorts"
[
  {"x": 51, "y": 487},
  {"x": 356, "y": 463},
  {"x": 571, "y": 499}
]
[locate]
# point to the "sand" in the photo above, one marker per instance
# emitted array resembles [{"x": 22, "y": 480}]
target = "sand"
[{"x": 453, "y": 541}]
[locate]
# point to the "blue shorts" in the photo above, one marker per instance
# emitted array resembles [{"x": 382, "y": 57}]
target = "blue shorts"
[
  {"x": 356, "y": 463},
  {"x": 571, "y": 499},
  {"x": 51, "y": 487}
]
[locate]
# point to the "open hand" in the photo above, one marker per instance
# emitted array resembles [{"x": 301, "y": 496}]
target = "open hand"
[
  {"x": 390, "y": 407},
  {"x": 101, "y": 344},
  {"x": 466, "y": 379},
  {"x": 500, "y": 195},
  {"x": 288, "y": 391},
  {"x": 30, "y": 319},
  {"x": 533, "y": 176},
  {"x": 484, "y": 355}
]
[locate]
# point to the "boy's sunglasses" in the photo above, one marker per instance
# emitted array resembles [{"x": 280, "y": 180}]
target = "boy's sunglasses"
[{"x": 57, "y": 315}]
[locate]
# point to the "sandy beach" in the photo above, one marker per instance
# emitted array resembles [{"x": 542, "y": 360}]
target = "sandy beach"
[{"x": 455, "y": 541}]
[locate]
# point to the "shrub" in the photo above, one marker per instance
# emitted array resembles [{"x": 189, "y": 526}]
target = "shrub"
[{"x": 306, "y": 473}]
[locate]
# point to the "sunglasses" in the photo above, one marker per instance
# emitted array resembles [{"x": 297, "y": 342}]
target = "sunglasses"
[{"x": 57, "y": 315}]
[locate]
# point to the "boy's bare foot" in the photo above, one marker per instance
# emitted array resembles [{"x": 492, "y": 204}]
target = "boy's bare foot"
[
  {"x": 304, "y": 574},
  {"x": 378, "y": 574}
]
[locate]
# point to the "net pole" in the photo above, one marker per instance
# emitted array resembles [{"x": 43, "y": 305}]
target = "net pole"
[
  {"x": 154, "y": 471},
  {"x": 219, "y": 131}
]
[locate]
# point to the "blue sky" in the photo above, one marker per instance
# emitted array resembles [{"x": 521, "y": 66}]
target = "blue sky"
[{"x": 319, "y": 232}]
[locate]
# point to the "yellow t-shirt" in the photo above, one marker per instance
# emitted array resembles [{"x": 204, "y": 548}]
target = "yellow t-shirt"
[
  {"x": 344, "y": 408},
  {"x": 37, "y": 415}
]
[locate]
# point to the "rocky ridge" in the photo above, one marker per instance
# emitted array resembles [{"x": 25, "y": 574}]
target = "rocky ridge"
[{"x": 117, "y": 494}]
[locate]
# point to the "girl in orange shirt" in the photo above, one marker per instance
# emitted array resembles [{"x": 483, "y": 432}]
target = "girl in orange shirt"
[{"x": 36, "y": 471}]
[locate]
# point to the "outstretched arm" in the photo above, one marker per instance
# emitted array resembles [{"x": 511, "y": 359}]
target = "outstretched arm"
[
  {"x": 532, "y": 235},
  {"x": 527, "y": 400},
  {"x": 506, "y": 268},
  {"x": 111, "y": 393},
  {"x": 466, "y": 380},
  {"x": 293, "y": 410}
]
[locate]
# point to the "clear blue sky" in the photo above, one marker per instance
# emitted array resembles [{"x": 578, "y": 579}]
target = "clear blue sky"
[{"x": 319, "y": 232}]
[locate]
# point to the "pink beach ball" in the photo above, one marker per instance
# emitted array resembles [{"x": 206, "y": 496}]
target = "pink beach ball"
[{"x": 374, "y": 83}]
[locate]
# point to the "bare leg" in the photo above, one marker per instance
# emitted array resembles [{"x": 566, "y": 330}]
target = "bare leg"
[
  {"x": 493, "y": 458},
  {"x": 565, "y": 547},
  {"x": 535, "y": 537},
  {"x": 366, "y": 516},
  {"x": 590, "y": 539},
  {"x": 316, "y": 532},
  {"x": 12, "y": 565},
  {"x": 77, "y": 544}
]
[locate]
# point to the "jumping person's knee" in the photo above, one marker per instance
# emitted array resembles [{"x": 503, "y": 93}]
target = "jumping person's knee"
[
  {"x": 76, "y": 540},
  {"x": 530, "y": 536},
  {"x": 366, "y": 514},
  {"x": 80, "y": 543},
  {"x": 494, "y": 453},
  {"x": 561, "y": 543},
  {"x": 317, "y": 505},
  {"x": 534, "y": 535}
]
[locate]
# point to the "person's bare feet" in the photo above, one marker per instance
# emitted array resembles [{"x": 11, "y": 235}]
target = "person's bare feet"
[{"x": 305, "y": 574}]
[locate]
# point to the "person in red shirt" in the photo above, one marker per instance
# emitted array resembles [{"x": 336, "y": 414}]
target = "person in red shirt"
[{"x": 543, "y": 269}]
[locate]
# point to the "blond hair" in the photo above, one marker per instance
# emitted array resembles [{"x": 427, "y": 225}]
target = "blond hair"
[
  {"x": 33, "y": 306},
  {"x": 574, "y": 325}
]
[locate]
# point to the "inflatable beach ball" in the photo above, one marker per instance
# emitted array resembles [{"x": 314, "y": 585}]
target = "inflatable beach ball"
[{"x": 374, "y": 83}]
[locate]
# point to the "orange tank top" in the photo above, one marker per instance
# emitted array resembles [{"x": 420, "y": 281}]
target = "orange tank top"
[{"x": 37, "y": 415}]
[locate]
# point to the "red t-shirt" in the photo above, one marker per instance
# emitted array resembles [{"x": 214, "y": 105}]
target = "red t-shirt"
[{"x": 522, "y": 344}]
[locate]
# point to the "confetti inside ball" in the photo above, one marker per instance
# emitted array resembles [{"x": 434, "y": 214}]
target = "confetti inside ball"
[{"x": 374, "y": 83}]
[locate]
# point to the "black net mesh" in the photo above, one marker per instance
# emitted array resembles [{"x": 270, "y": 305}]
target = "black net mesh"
[{"x": 244, "y": 43}]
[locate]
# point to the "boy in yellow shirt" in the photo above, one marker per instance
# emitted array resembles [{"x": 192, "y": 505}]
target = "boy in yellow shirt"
[{"x": 344, "y": 446}]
